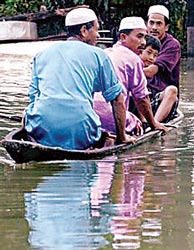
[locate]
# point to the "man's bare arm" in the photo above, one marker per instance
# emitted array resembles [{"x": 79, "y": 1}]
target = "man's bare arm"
[
  {"x": 119, "y": 114},
  {"x": 144, "y": 107}
]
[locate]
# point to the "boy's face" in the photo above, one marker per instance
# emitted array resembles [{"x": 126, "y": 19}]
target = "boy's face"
[{"x": 149, "y": 55}]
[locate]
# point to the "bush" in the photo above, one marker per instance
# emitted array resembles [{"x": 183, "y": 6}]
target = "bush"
[{"x": 15, "y": 7}]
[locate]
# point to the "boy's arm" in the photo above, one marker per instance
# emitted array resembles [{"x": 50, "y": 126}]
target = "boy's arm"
[{"x": 151, "y": 70}]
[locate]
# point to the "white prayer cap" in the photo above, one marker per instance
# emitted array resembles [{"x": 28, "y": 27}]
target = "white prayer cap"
[
  {"x": 159, "y": 9},
  {"x": 132, "y": 22},
  {"x": 79, "y": 16}
]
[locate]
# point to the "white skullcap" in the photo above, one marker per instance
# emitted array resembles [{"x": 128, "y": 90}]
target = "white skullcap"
[
  {"x": 132, "y": 22},
  {"x": 79, "y": 16},
  {"x": 159, "y": 9}
]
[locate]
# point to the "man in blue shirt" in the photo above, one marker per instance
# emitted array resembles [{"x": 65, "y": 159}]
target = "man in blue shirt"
[{"x": 64, "y": 79}]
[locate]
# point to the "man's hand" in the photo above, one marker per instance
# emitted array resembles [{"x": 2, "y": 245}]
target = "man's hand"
[
  {"x": 161, "y": 126},
  {"x": 128, "y": 139}
]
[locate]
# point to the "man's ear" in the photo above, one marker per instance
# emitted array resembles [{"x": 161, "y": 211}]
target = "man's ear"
[
  {"x": 167, "y": 27},
  {"x": 84, "y": 31},
  {"x": 123, "y": 37}
]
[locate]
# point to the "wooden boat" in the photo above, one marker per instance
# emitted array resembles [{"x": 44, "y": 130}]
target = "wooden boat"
[{"x": 22, "y": 149}]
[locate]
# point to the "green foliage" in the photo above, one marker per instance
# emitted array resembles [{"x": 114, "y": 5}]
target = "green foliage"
[
  {"x": 177, "y": 21},
  {"x": 15, "y": 7},
  {"x": 110, "y": 17},
  {"x": 56, "y": 26}
]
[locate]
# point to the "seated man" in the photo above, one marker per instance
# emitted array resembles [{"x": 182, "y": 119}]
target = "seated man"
[
  {"x": 60, "y": 112},
  {"x": 165, "y": 72},
  {"x": 129, "y": 69},
  {"x": 103, "y": 109}
]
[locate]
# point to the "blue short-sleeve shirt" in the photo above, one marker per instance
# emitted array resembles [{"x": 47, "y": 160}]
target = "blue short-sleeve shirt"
[{"x": 64, "y": 79}]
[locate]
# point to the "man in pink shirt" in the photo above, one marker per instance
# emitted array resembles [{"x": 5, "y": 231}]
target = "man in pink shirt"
[{"x": 129, "y": 69}]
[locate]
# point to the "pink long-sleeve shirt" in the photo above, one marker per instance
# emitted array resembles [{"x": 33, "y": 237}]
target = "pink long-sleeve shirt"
[{"x": 129, "y": 70}]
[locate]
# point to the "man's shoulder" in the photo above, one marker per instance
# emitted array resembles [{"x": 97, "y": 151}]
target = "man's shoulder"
[
  {"x": 96, "y": 50},
  {"x": 52, "y": 48},
  {"x": 123, "y": 52},
  {"x": 170, "y": 39}
]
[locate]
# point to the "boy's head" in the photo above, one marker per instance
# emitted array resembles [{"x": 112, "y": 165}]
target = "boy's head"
[{"x": 152, "y": 48}]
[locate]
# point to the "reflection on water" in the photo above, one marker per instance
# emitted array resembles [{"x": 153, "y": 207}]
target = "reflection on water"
[
  {"x": 61, "y": 205},
  {"x": 141, "y": 199}
]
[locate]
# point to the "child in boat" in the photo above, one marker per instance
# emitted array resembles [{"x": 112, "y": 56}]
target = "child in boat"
[
  {"x": 151, "y": 51},
  {"x": 148, "y": 55}
]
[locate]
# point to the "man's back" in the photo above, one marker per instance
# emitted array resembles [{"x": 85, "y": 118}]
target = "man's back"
[{"x": 63, "y": 89}]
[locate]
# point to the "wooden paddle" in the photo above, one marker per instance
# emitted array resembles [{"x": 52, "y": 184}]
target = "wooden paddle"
[{"x": 15, "y": 118}]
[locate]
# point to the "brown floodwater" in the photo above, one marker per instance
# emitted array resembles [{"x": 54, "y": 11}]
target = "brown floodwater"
[{"x": 141, "y": 199}]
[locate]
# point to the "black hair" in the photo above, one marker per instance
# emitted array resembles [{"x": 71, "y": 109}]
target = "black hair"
[
  {"x": 125, "y": 31},
  {"x": 152, "y": 41},
  {"x": 166, "y": 20},
  {"x": 116, "y": 37},
  {"x": 75, "y": 29}
]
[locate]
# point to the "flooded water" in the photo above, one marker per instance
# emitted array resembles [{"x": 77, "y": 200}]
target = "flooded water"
[{"x": 141, "y": 199}]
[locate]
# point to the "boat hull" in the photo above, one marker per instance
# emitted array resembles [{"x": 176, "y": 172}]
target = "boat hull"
[{"x": 22, "y": 149}]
